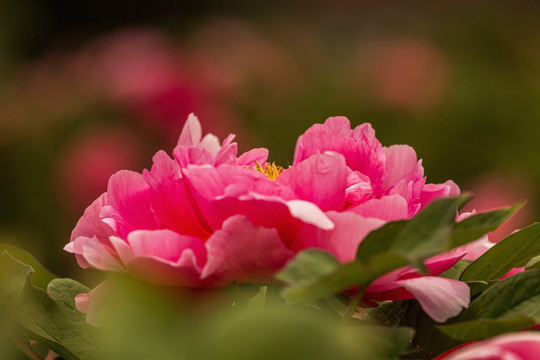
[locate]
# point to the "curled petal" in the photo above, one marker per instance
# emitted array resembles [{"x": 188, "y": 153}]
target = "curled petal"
[
  {"x": 92, "y": 253},
  {"x": 402, "y": 163},
  {"x": 439, "y": 297},
  {"x": 388, "y": 208},
  {"x": 321, "y": 179},
  {"x": 242, "y": 251},
  {"x": 341, "y": 241},
  {"x": 191, "y": 132}
]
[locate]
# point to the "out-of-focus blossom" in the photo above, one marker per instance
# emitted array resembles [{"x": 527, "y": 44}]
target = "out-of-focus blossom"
[
  {"x": 408, "y": 74},
  {"x": 137, "y": 73},
  {"x": 516, "y": 346},
  {"x": 86, "y": 164},
  {"x": 495, "y": 191},
  {"x": 208, "y": 217}
]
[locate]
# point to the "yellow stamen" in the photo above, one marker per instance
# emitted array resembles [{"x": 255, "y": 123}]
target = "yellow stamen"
[{"x": 270, "y": 170}]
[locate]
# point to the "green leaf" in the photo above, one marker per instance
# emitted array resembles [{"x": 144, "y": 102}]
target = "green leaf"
[
  {"x": 308, "y": 266},
  {"x": 476, "y": 226},
  {"x": 533, "y": 264},
  {"x": 514, "y": 251},
  {"x": 342, "y": 278},
  {"x": 516, "y": 295},
  {"x": 455, "y": 271},
  {"x": 485, "y": 328},
  {"x": 424, "y": 235},
  {"x": 41, "y": 277},
  {"x": 315, "y": 274},
  {"x": 14, "y": 283},
  {"x": 51, "y": 317}
]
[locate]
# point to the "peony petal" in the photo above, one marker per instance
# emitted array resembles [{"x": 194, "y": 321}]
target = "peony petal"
[
  {"x": 191, "y": 132},
  {"x": 342, "y": 241},
  {"x": 210, "y": 142},
  {"x": 128, "y": 195},
  {"x": 259, "y": 155},
  {"x": 434, "y": 191},
  {"x": 90, "y": 224},
  {"x": 321, "y": 179},
  {"x": 401, "y": 163},
  {"x": 440, "y": 298},
  {"x": 388, "y": 208},
  {"x": 170, "y": 201},
  {"x": 227, "y": 153},
  {"x": 513, "y": 346},
  {"x": 362, "y": 151},
  {"x": 310, "y": 214},
  {"x": 92, "y": 253},
  {"x": 165, "y": 245},
  {"x": 243, "y": 252}
]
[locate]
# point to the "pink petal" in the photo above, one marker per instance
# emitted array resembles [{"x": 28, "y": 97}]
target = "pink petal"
[
  {"x": 401, "y": 163},
  {"x": 440, "y": 298},
  {"x": 90, "y": 223},
  {"x": 154, "y": 270},
  {"x": 388, "y": 208},
  {"x": 321, "y": 179},
  {"x": 358, "y": 187},
  {"x": 342, "y": 242},
  {"x": 165, "y": 245},
  {"x": 309, "y": 213},
  {"x": 362, "y": 151},
  {"x": 386, "y": 287},
  {"x": 191, "y": 132},
  {"x": 227, "y": 153},
  {"x": 92, "y": 253},
  {"x": 128, "y": 195},
  {"x": 210, "y": 142},
  {"x": 82, "y": 302},
  {"x": 514, "y": 346},
  {"x": 434, "y": 191},
  {"x": 259, "y": 155},
  {"x": 170, "y": 201},
  {"x": 122, "y": 249},
  {"x": 243, "y": 252},
  {"x": 166, "y": 258}
]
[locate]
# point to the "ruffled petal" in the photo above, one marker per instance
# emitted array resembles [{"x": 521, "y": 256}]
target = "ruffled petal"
[
  {"x": 191, "y": 132},
  {"x": 243, "y": 252},
  {"x": 342, "y": 241},
  {"x": 401, "y": 163},
  {"x": 129, "y": 199},
  {"x": 388, "y": 208},
  {"x": 92, "y": 253},
  {"x": 259, "y": 155},
  {"x": 321, "y": 179},
  {"x": 165, "y": 245},
  {"x": 90, "y": 224},
  {"x": 439, "y": 297}
]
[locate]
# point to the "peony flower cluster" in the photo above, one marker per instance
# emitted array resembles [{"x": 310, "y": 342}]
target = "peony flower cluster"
[{"x": 208, "y": 217}]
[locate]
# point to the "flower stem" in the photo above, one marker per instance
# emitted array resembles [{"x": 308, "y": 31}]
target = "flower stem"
[
  {"x": 25, "y": 348},
  {"x": 353, "y": 305}
]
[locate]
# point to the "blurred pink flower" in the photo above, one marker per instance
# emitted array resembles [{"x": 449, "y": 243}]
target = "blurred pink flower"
[
  {"x": 515, "y": 346},
  {"x": 84, "y": 168},
  {"x": 208, "y": 217},
  {"x": 494, "y": 191}
]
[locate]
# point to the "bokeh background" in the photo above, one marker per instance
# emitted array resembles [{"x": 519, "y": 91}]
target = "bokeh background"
[{"x": 91, "y": 87}]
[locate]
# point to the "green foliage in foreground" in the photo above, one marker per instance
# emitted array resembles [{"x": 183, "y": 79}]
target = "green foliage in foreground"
[{"x": 311, "y": 316}]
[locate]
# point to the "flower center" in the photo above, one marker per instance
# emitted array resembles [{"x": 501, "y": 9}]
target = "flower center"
[{"x": 270, "y": 170}]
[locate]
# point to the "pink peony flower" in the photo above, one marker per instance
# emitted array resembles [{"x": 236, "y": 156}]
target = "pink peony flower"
[
  {"x": 208, "y": 217},
  {"x": 516, "y": 346}
]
